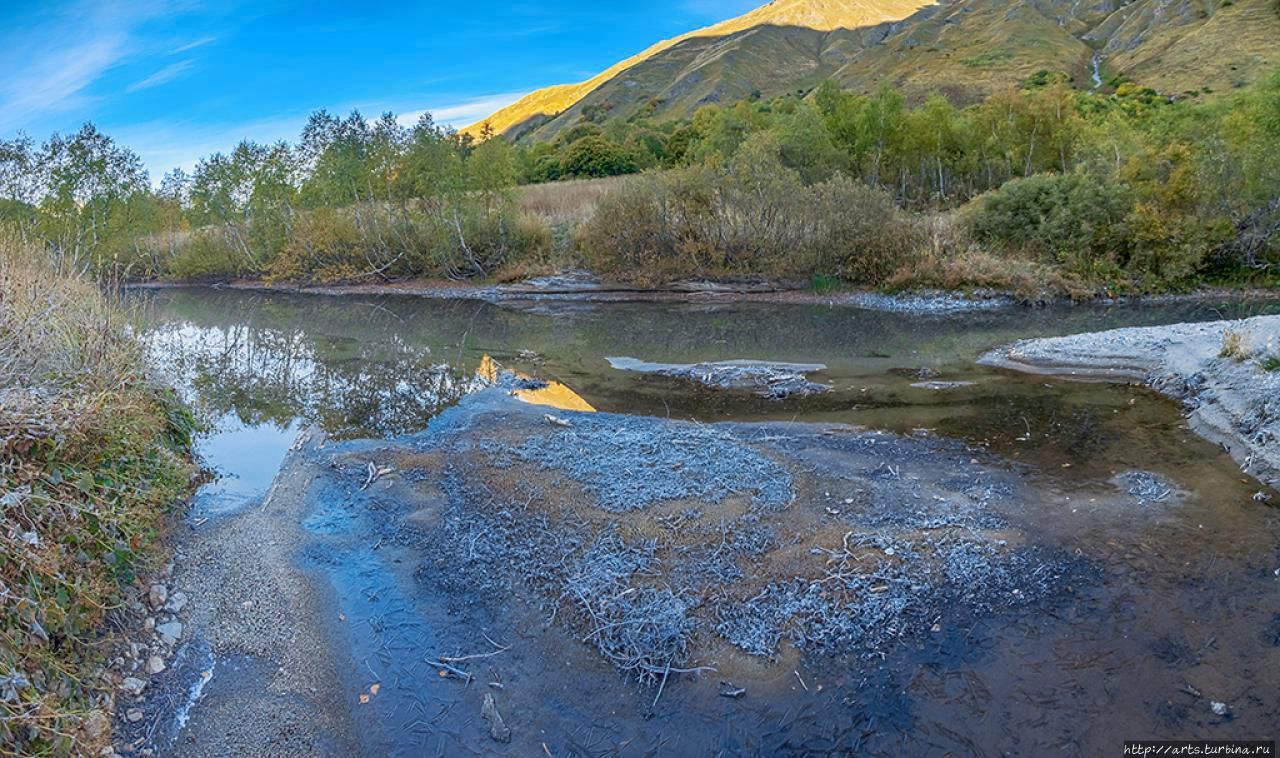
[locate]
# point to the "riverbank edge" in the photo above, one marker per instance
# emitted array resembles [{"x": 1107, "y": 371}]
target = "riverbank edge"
[
  {"x": 784, "y": 293},
  {"x": 1230, "y": 398}
]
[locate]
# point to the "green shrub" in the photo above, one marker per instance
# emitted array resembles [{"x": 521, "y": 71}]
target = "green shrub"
[
  {"x": 595, "y": 156},
  {"x": 824, "y": 284},
  {"x": 325, "y": 247},
  {"x": 1072, "y": 218},
  {"x": 756, "y": 218},
  {"x": 208, "y": 255},
  {"x": 633, "y": 232},
  {"x": 860, "y": 236}
]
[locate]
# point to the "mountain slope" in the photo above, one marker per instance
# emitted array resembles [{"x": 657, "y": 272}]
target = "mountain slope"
[
  {"x": 966, "y": 49},
  {"x": 971, "y": 48},
  {"x": 815, "y": 15},
  {"x": 767, "y": 60}
]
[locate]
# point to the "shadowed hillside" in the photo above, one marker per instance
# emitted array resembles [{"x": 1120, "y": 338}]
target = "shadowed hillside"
[{"x": 965, "y": 49}]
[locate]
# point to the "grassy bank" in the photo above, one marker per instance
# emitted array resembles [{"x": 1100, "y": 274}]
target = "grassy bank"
[{"x": 91, "y": 455}]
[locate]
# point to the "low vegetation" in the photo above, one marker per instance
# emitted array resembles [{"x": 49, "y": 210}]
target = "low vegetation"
[
  {"x": 91, "y": 454},
  {"x": 1045, "y": 190}
]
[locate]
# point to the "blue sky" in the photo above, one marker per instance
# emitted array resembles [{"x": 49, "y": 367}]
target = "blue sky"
[{"x": 180, "y": 79}]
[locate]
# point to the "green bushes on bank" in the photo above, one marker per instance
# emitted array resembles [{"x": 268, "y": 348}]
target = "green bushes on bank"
[{"x": 754, "y": 217}]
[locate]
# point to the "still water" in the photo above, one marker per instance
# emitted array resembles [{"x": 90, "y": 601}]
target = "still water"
[{"x": 1189, "y": 601}]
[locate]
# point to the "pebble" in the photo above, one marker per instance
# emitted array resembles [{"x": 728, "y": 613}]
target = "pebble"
[
  {"x": 1219, "y": 709},
  {"x": 170, "y": 632},
  {"x": 97, "y": 724},
  {"x": 150, "y": 624},
  {"x": 133, "y": 686},
  {"x": 155, "y": 664},
  {"x": 133, "y": 715},
  {"x": 177, "y": 601},
  {"x": 158, "y": 595}
]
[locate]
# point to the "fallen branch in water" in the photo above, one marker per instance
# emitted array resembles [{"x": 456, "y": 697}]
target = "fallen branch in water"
[{"x": 446, "y": 670}]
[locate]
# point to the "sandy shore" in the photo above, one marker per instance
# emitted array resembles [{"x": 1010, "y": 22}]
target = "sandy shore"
[{"x": 1223, "y": 372}]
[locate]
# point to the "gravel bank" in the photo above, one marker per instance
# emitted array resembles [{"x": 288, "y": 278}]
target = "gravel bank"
[{"x": 1226, "y": 373}]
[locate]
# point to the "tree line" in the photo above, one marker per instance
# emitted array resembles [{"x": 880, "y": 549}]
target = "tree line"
[{"x": 1128, "y": 188}]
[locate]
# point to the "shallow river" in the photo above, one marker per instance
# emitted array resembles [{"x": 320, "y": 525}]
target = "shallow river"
[{"x": 1175, "y": 635}]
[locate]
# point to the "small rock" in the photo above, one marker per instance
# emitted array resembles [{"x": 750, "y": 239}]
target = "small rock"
[
  {"x": 133, "y": 686},
  {"x": 150, "y": 624},
  {"x": 107, "y": 752},
  {"x": 498, "y": 729},
  {"x": 176, "y": 603},
  {"x": 96, "y": 724},
  {"x": 133, "y": 715},
  {"x": 155, "y": 664},
  {"x": 158, "y": 595},
  {"x": 1219, "y": 709},
  {"x": 170, "y": 632}
]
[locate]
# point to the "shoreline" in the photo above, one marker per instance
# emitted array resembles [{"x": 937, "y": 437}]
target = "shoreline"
[
  {"x": 1229, "y": 395},
  {"x": 781, "y": 293}
]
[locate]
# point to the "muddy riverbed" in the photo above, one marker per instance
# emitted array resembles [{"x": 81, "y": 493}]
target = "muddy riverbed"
[{"x": 927, "y": 557}]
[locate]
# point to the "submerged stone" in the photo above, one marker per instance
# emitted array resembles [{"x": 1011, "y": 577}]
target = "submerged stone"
[{"x": 766, "y": 378}]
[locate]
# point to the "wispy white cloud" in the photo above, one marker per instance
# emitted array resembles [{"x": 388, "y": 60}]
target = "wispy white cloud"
[
  {"x": 194, "y": 44},
  {"x": 55, "y": 82},
  {"x": 464, "y": 113},
  {"x": 51, "y": 63},
  {"x": 166, "y": 74}
]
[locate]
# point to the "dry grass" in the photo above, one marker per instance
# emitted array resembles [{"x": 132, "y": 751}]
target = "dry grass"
[
  {"x": 979, "y": 270},
  {"x": 90, "y": 455},
  {"x": 568, "y": 202},
  {"x": 1233, "y": 347}
]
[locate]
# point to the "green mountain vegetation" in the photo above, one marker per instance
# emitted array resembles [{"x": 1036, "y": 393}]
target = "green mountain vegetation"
[{"x": 965, "y": 50}]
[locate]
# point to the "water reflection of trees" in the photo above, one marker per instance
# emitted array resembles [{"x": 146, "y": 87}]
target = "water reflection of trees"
[
  {"x": 273, "y": 374},
  {"x": 366, "y": 365}
]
